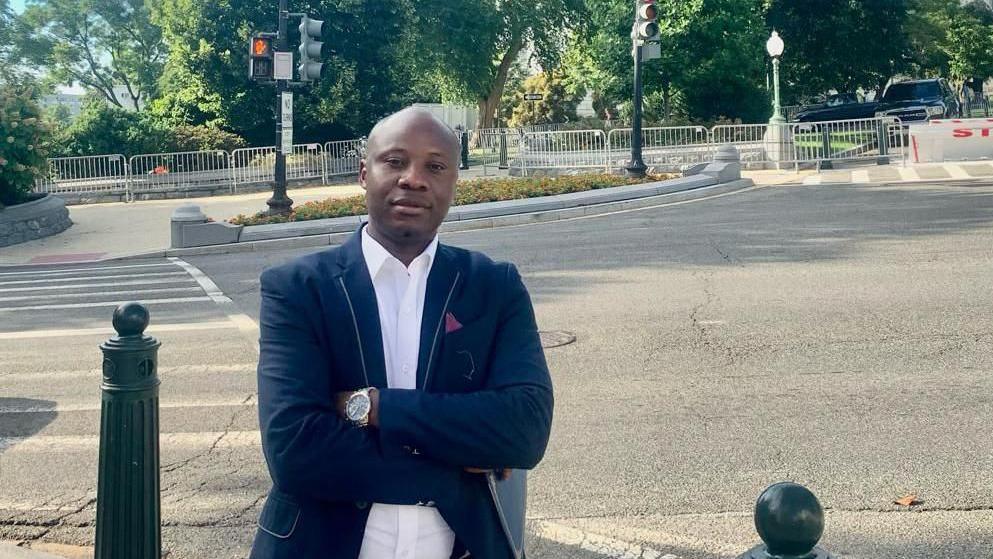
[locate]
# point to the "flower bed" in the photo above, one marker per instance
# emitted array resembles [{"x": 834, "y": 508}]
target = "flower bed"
[{"x": 471, "y": 191}]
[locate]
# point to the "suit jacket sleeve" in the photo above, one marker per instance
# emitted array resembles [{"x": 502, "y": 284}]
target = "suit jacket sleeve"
[
  {"x": 310, "y": 450},
  {"x": 506, "y": 425}
]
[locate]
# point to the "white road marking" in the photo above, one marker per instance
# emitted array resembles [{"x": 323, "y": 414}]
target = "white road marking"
[
  {"x": 813, "y": 179},
  {"x": 68, "y": 443},
  {"x": 710, "y": 322},
  {"x": 908, "y": 173},
  {"x": 145, "y": 302},
  {"x": 108, "y": 331},
  {"x": 66, "y": 280},
  {"x": 184, "y": 279},
  {"x": 76, "y": 270},
  {"x": 205, "y": 282},
  {"x": 957, "y": 172},
  {"x": 247, "y": 326},
  {"x": 197, "y": 370},
  {"x": 163, "y": 404},
  {"x": 49, "y": 296},
  {"x": 602, "y": 545},
  {"x": 860, "y": 176}
]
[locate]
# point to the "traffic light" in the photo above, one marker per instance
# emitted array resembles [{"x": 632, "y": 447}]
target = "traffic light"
[
  {"x": 310, "y": 67},
  {"x": 646, "y": 23},
  {"x": 260, "y": 56}
]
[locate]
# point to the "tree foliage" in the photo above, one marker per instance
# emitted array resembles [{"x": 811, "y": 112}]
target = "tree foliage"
[
  {"x": 556, "y": 104},
  {"x": 98, "y": 44},
  {"x": 471, "y": 45},
  {"x": 22, "y": 139}
]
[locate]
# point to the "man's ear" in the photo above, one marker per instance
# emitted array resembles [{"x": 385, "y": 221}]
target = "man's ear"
[{"x": 362, "y": 171}]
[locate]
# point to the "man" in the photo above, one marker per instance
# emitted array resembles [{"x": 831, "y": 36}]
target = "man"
[{"x": 394, "y": 373}]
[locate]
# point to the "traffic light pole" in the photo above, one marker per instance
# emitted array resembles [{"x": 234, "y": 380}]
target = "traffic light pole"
[
  {"x": 280, "y": 203},
  {"x": 636, "y": 167}
]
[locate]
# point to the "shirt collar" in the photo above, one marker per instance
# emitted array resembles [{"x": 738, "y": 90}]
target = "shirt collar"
[{"x": 376, "y": 255}]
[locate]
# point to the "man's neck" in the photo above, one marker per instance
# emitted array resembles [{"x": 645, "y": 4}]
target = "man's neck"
[{"x": 404, "y": 250}]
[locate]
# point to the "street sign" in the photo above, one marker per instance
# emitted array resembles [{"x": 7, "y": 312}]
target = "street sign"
[
  {"x": 532, "y": 96},
  {"x": 286, "y": 116},
  {"x": 651, "y": 51},
  {"x": 283, "y": 66}
]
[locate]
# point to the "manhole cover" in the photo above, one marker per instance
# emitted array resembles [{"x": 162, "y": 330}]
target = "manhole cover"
[{"x": 556, "y": 338}]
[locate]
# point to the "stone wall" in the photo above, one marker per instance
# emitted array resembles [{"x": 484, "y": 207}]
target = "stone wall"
[{"x": 33, "y": 220}]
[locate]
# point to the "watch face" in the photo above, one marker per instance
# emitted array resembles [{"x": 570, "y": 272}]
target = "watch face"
[{"x": 357, "y": 407}]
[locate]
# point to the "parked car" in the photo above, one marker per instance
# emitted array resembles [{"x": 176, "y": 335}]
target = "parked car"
[
  {"x": 840, "y": 106},
  {"x": 919, "y": 101}
]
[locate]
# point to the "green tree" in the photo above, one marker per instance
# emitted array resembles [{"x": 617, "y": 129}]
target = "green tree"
[
  {"x": 98, "y": 44},
  {"x": 469, "y": 46},
  {"x": 839, "y": 44},
  {"x": 22, "y": 139},
  {"x": 102, "y": 128},
  {"x": 368, "y": 72},
  {"x": 950, "y": 39},
  {"x": 556, "y": 104}
]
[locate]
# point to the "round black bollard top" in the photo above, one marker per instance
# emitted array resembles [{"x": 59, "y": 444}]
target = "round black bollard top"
[
  {"x": 130, "y": 319},
  {"x": 789, "y": 519}
]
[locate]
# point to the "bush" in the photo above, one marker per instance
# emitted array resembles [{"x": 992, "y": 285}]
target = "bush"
[
  {"x": 22, "y": 137},
  {"x": 205, "y": 138},
  {"x": 102, "y": 129},
  {"x": 472, "y": 191}
]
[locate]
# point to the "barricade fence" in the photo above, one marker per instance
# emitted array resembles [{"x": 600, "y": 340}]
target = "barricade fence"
[{"x": 672, "y": 148}]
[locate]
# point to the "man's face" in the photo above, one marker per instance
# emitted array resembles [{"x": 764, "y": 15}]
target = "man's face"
[{"x": 409, "y": 175}]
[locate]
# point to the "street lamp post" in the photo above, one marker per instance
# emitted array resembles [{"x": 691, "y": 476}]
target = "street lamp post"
[{"x": 774, "y": 46}]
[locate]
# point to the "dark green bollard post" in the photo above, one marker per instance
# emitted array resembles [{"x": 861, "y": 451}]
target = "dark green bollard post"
[
  {"x": 790, "y": 522},
  {"x": 464, "y": 139},
  {"x": 128, "y": 508},
  {"x": 826, "y": 147},
  {"x": 883, "y": 132},
  {"x": 503, "y": 150}
]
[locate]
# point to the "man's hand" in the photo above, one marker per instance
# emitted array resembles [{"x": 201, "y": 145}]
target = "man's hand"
[{"x": 503, "y": 473}]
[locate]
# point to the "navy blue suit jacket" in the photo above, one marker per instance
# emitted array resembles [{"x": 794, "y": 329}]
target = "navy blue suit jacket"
[{"x": 484, "y": 399}]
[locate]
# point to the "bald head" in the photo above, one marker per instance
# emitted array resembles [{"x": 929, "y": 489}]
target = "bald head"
[{"x": 417, "y": 120}]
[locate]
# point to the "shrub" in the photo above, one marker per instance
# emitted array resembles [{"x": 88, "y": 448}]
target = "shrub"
[
  {"x": 22, "y": 137},
  {"x": 471, "y": 191},
  {"x": 104, "y": 129},
  {"x": 205, "y": 138}
]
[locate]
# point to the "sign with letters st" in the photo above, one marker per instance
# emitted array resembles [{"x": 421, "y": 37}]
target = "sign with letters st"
[{"x": 533, "y": 96}]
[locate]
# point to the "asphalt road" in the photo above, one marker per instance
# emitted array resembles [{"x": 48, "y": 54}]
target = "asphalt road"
[{"x": 837, "y": 336}]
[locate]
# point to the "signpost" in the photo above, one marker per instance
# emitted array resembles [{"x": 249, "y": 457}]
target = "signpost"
[
  {"x": 532, "y": 97},
  {"x": 287, "y": 123}
]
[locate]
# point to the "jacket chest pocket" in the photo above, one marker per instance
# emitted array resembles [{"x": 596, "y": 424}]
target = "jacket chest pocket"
[{"x": 465, "y": 355}]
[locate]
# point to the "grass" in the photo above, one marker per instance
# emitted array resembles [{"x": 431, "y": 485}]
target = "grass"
[{"x": 471, "y": 191}]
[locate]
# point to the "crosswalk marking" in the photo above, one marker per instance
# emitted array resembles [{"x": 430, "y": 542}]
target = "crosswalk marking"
[
  {"x": 163, "y": 404},
  {"x": 88, "y": 285},
  {"x": 201, "y": 370},
  {"x": 908, "y": 173},
  {"x": 860, "y": 176},
  {"x": 145, "y": 302},
  {"x": 107, "y": 331},
  {"x": 201, "y": 278},
  {"x": 76, "y": 270},
  {"x": 957, "y": 172},
  {"x": 65, "y": 280},
  {"x": 64, "y": 443},
  {"x": 47, "y": 296},
  {"x": 813, "y": 179}
]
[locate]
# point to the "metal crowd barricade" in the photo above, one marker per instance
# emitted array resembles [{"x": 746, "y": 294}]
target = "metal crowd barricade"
[
  {"x": 756, "y": 143},
  {"x": 92, "y": 173},
  {"x": 495, "y": 147},
  {"x": 180, "y": 170},
  {"x": 673, "y": 147},
  {"x": 252, "y": 165},
  {"x": 790, "y": 112},
  {"x": 568, "y": 149},
  {"x": 847, "y": 140},
  {"x": 343, "y": 157},
  {"x": 306, "y": 162}
]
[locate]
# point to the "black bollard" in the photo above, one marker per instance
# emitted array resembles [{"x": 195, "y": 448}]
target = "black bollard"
[
  {"x": 790, "y": 522},
  {"x": 128, "y": 524},
  {"x": 464, "y": 139},
  {"x": 503, "y": 150}
]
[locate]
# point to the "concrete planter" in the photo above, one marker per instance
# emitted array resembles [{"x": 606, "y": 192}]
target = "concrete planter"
[{"x": 33, "y": 220}]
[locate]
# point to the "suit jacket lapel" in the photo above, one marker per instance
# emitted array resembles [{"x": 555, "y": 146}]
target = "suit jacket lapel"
[
  {"x": 362, "y": 297},
  {"x": 441, "y": 288}
]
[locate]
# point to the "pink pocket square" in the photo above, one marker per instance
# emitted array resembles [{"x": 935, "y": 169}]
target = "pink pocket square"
[{"x": 451, "y": 323}]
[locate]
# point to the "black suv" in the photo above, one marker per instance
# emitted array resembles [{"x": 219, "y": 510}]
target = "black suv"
[{"x": 919, "y": 100}]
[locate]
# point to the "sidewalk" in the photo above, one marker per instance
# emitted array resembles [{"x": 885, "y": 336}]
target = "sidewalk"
[
  {"x": 10, "y": 550},
  {"x": 117, "y": 229},
  {"x": 885, "y": 174}
]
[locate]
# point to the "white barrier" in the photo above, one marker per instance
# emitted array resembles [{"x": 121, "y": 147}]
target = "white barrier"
[
  {"x": 867, "y": 138},
  {"x": 257, "y": 165},
  {"x": 563, "y": 149},
  {"x": 675, "y": 147},
  {"x": 343, "y": 157},
  {"x": 952, "y": 140},
  {"x": 180, "y": 170},
  {"x": 92, "y": 173}
]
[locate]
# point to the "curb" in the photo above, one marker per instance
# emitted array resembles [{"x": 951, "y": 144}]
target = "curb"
[{"x": 523, "y": 218}]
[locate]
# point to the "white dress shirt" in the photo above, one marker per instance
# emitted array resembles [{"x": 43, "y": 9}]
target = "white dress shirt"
[{"x": 402, "y": 531}]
